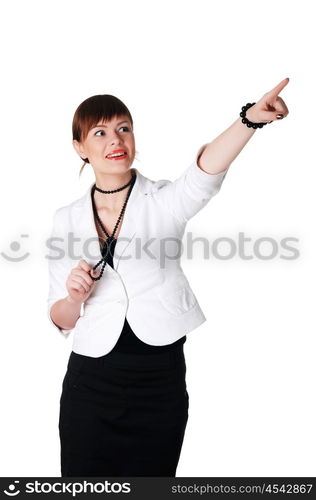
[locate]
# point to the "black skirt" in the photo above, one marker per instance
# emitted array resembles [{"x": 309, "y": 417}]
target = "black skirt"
[{"x": 123, "y": 414}]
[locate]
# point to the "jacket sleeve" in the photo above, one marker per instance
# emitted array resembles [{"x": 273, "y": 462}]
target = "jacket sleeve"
[
  {"x": 59, "y": 265},
  {"x": 190, "y": 192}
]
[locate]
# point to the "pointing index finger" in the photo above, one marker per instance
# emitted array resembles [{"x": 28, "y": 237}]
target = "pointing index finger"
[{"x": 276, "y": 90}]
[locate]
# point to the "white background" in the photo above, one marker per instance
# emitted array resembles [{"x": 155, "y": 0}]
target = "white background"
[{"x": 184, "y": 69}]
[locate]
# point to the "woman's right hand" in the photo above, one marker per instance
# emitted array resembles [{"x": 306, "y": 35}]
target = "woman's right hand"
[{"x": 79, "y": 283}]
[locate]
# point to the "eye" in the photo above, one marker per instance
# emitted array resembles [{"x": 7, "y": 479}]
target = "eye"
[{"x": 127, "y": 130}]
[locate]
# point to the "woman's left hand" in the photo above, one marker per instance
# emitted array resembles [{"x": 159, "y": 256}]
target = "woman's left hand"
[{"x": 271, "y": 107}]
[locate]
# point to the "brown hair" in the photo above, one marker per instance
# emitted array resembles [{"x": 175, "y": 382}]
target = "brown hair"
[{"x": 93, "y": 110}]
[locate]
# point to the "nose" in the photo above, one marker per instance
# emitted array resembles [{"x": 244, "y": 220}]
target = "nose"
[{"x": 115, "y": 139}]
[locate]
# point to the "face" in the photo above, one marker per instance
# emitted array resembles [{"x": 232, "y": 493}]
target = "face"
[{"x": 103, "y": 139}]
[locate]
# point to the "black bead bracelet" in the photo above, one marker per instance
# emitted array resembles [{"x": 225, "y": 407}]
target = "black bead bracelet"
[{"x": 246, "y": 121}]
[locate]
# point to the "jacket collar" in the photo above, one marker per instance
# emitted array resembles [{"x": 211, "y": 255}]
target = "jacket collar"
[{"x": 85, "y": 229}]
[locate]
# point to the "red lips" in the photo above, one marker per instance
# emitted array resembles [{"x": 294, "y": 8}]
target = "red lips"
[{"x": 116, "y": 151}]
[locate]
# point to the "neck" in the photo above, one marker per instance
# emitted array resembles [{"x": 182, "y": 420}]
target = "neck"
[{"x": 109, "y": 182}]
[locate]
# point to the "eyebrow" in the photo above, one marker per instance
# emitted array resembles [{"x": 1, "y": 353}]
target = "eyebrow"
[{"x": 100, "y": 125}]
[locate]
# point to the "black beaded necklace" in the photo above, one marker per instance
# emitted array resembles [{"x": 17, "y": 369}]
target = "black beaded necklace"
[{"x": 107, "y": 247}]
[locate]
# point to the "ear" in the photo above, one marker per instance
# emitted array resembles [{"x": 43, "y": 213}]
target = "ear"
[{"x": 79, "y": 148}]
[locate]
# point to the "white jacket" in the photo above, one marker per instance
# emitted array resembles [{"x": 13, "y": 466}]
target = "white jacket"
[{"x": 147, "y": 287}]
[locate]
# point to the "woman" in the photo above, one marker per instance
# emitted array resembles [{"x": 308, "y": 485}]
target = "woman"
[{"x": 119, "y": 286}]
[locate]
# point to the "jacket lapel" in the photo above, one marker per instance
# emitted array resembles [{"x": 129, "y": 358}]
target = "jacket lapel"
[{"x": 85, "y": 229}]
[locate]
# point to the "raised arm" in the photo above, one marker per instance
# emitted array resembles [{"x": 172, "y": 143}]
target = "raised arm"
[{"x": 221, "y": 152}]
